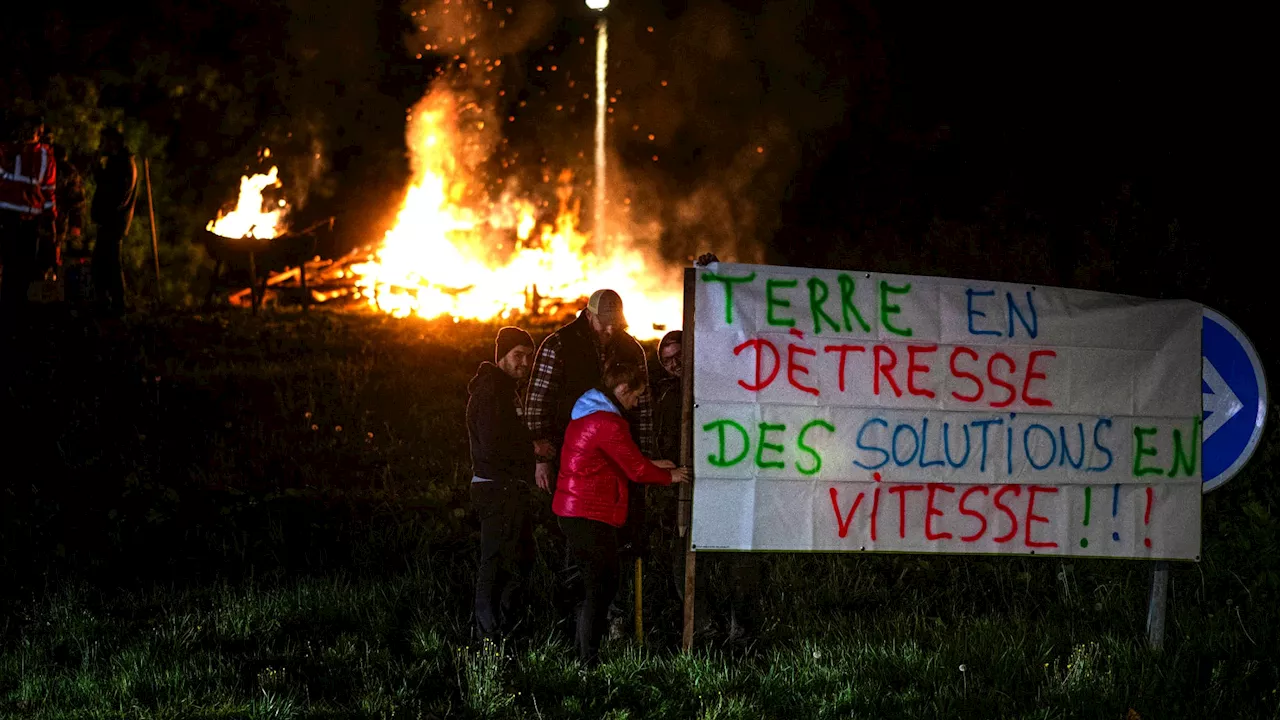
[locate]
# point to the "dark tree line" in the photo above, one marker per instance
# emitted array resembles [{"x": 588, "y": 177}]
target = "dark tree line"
[{"x": 200, "y": 90}]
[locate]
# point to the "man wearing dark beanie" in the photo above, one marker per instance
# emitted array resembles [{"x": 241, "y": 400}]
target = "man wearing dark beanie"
[
  {"x": 510, "y": 338},
  {"x": 502, "y": 464}
]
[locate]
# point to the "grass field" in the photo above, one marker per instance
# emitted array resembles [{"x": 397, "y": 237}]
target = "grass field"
[{"x": 236, "y": 517}]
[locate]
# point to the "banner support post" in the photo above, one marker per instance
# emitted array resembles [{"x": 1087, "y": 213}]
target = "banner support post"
[
  {"x": 1156, "y": 605},
  {"x": 685, "y": 522},
  {"x": 639, "y": 602}
]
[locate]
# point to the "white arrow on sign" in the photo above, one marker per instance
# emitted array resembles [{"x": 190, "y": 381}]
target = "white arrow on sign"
[{"x": 1220, "y": 403}]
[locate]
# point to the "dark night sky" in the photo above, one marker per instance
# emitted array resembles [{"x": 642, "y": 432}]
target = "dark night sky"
[{"x": 871, "y": 113}]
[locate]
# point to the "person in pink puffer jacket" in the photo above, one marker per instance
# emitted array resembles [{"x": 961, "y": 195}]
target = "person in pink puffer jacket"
[{"x": 598, "y": 462}]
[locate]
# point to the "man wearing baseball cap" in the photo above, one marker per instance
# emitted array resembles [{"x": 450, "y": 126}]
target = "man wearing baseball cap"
[
  {"x": 502, "y": 470},
  {"x": 570, "y": 362}
]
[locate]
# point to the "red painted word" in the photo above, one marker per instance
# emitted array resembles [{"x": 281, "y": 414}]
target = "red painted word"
[
  {"x": 1002, "y": 513},
  {"x": 988, "y": 376}
]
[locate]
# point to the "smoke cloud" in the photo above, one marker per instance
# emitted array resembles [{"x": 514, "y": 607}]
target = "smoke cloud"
[
  {"x": 333, "y": 130},
  {"x": 714, "y": 109},
  {"x": 736, "y": 103},
  {"x": 480, "y": 42}
]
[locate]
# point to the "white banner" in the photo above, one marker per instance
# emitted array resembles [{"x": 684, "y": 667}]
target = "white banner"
[{"x": 862, "y": 411}]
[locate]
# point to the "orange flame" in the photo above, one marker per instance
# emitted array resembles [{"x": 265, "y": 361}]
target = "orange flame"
[
  {"x": 249, "y": 219},
  {"x": 445, "y": 257}
]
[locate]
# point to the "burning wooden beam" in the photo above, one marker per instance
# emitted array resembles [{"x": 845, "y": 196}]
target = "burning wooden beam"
[{"x": 285, "y": 259}]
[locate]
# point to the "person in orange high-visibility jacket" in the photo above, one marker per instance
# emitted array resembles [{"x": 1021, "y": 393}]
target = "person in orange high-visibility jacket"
[{"x": 28, "y": 181}]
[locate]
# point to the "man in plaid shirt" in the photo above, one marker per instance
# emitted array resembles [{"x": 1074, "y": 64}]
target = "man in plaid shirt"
[{"x": 570, "y": 362}]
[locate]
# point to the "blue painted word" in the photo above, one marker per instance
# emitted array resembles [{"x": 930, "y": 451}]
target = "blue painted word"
[
  {"x": 1027, "y": 317},
  {"x": 966, "y": 444}
]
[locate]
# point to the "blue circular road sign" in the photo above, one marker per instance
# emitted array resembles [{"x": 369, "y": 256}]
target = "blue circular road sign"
[{"x": 1234, "y": 399}]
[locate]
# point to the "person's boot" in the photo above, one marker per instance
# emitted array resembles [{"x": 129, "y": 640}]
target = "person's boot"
[{"x": 480, "y": 637}]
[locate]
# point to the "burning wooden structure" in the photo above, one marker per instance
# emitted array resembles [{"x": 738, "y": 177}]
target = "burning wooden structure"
[
  {"x": 267, "y": 263},
  {"x": 286, "y": 271},
  {"x": 455, "y": 249}
]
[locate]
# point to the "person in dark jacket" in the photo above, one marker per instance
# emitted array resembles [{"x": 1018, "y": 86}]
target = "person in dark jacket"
[
  {"x": 668, "y": 394},
  {"x": 114, "y": 196},
  {"x": 71, "y": 203},
  {"x": 599, "y": 462},
  {"x": 668, "y": 404},
  {"x": 73, "y": 260},
  {"x": 502, "y": 469},
  {"x": 569, "y": 362}
]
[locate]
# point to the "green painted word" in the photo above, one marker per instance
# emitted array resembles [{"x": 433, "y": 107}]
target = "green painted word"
[
  {"x": 780, "y": 309},
  {"x": 1186, "y": 458},
  {"x": 731, "y": 433}
]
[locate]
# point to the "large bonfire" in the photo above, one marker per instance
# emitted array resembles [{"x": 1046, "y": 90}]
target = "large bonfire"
[{"x": 451, "y": 252}]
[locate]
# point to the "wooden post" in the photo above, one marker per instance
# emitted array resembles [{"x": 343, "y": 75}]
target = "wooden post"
[
  {"x": 686, "y": 459},
  {"x": 151, "y": 210},
  {"x": 639, "y": 602},
  {"x": 1156, "y": 606}
]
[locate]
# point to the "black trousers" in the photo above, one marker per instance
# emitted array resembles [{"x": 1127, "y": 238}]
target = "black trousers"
[
  {"x": 108, "y": 275},
  {"x": 506, "y": 553},
  {"x": 594, "y": 546},
  {"x": 19, "y": 251}
]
